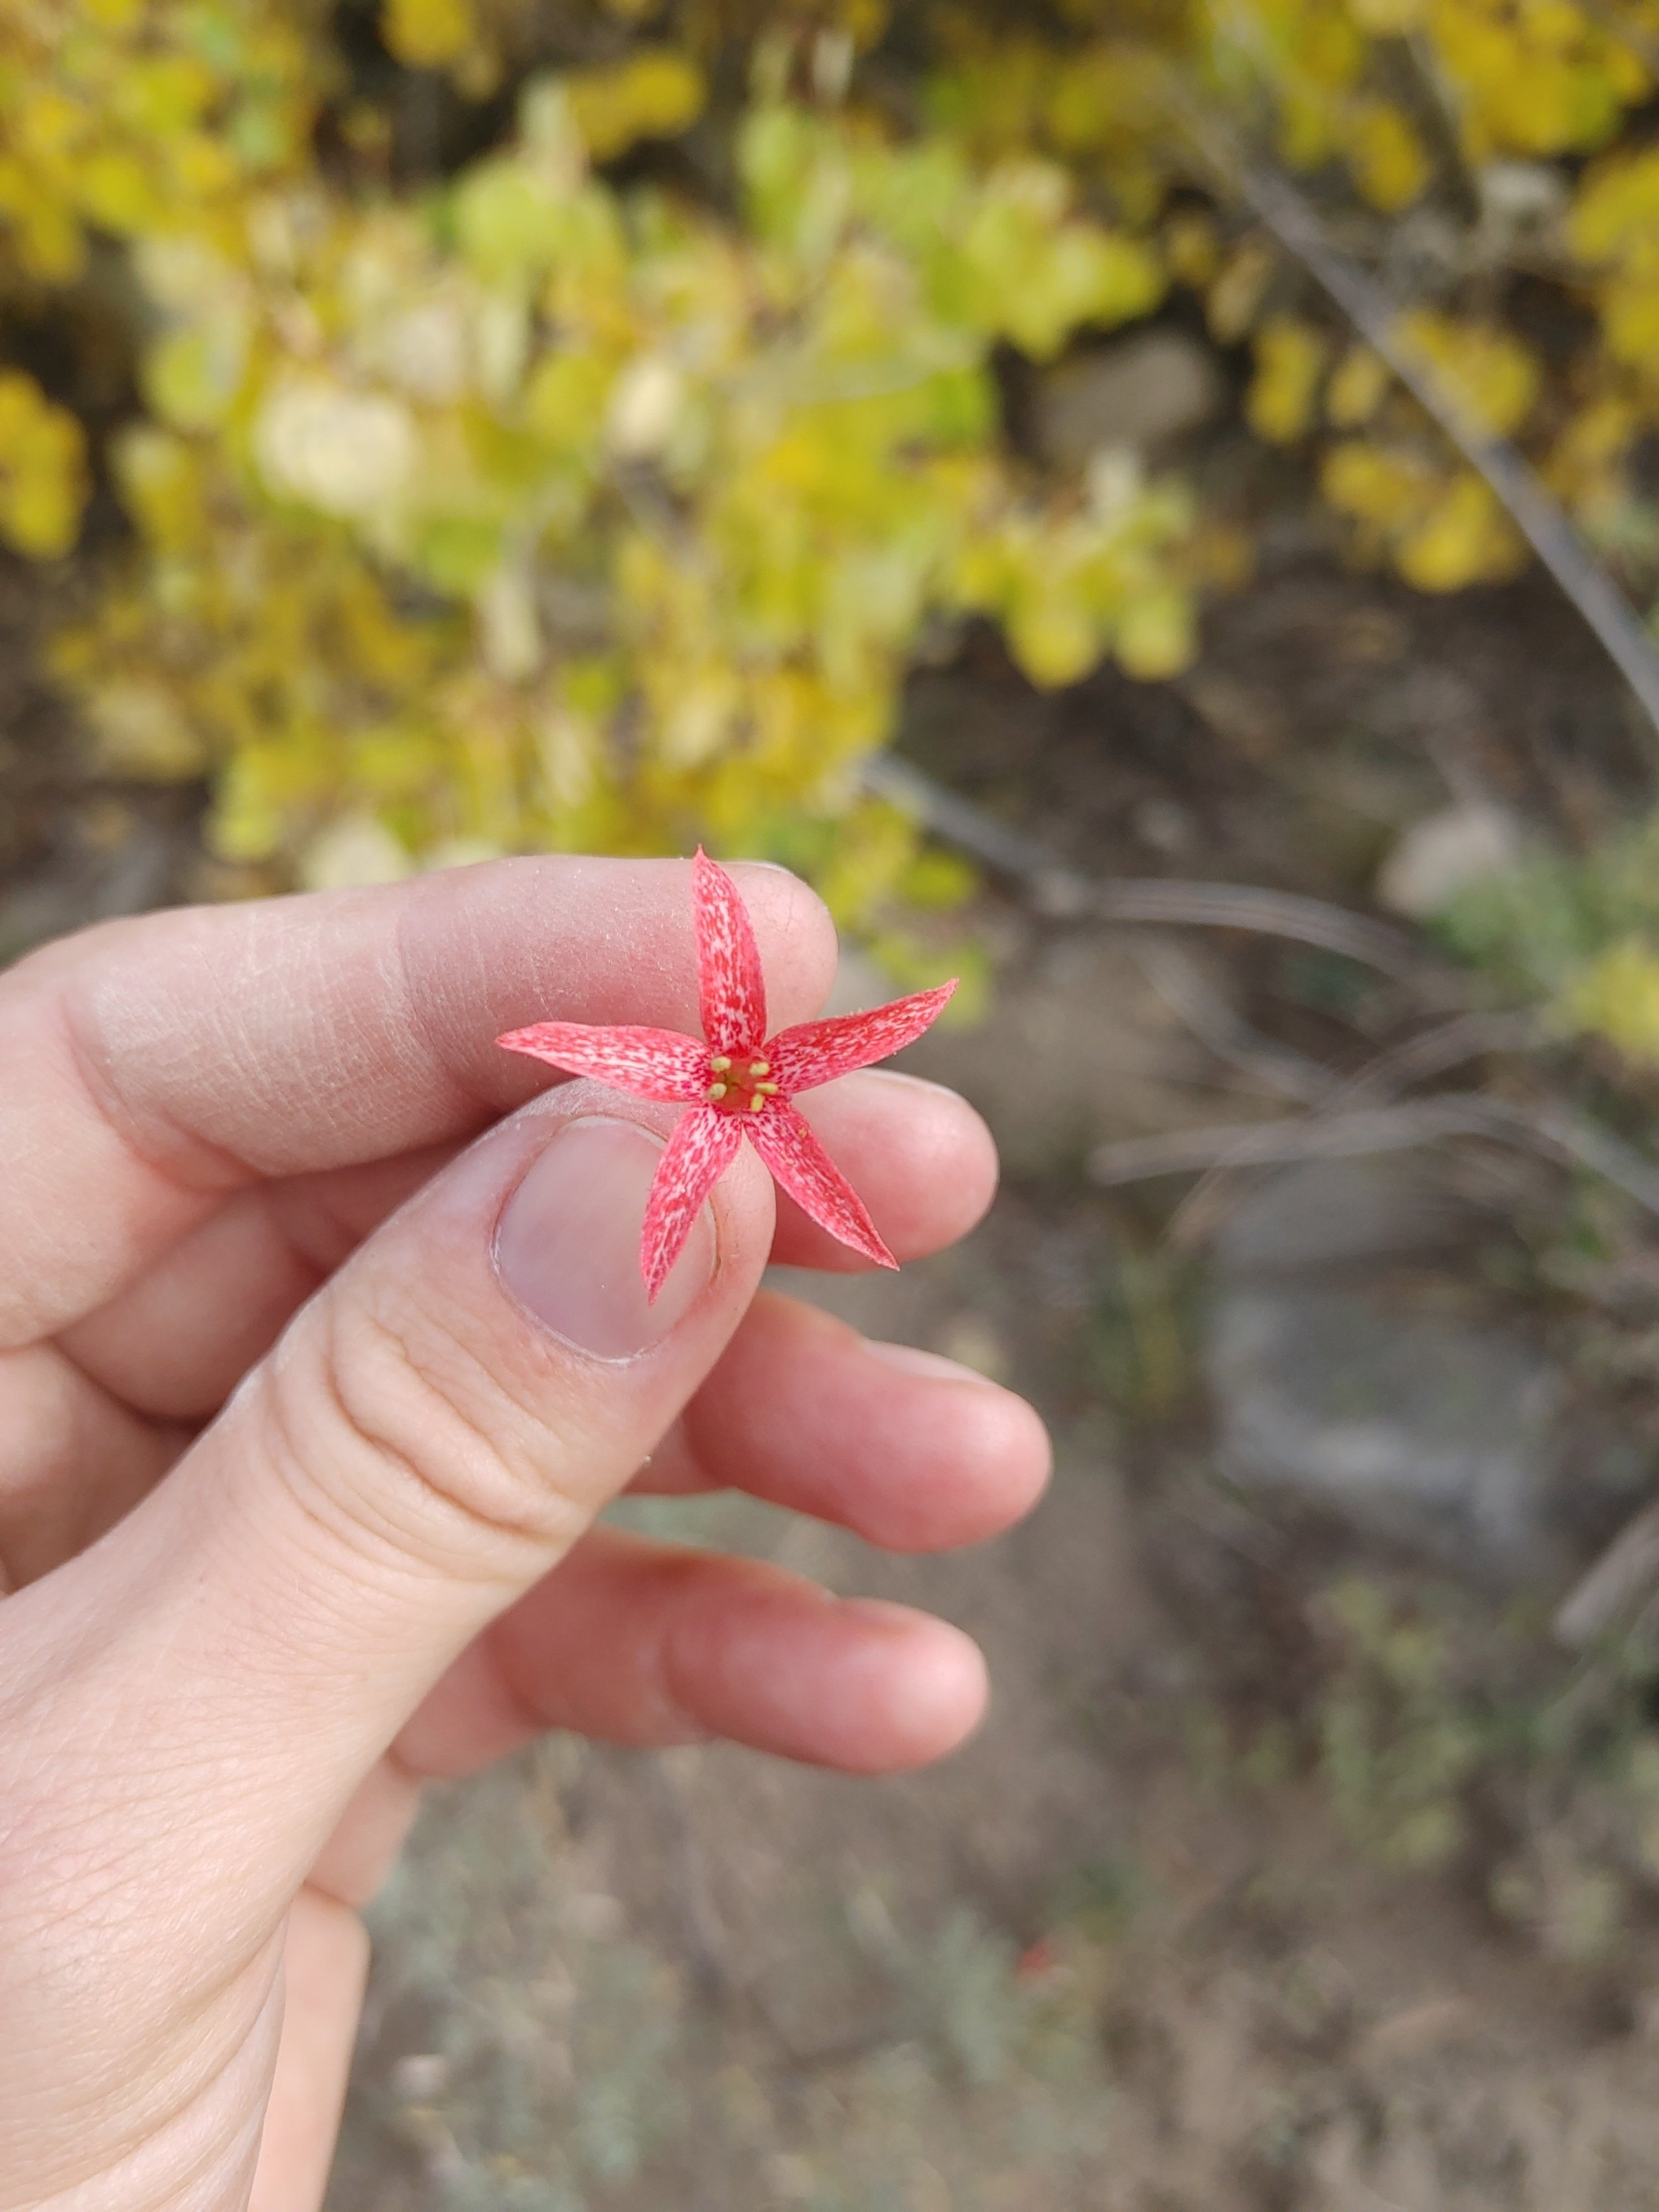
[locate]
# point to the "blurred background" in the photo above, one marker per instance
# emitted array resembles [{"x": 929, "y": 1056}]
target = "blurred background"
[{"x": 1155, "y": 506}]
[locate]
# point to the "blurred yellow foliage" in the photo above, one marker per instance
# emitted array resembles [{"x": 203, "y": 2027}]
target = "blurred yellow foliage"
[
  {"x": 42, "y": 469},
  {"x": 1615, "y": 229},
  {"x": 1500, "y": 103},
  {"x": 674, "y": 498},
  {"x": 130, "y": 117},
  {"x": 656, "y": 94},
  {"x": 1358, "y": 386},
  {"x": 1290, "y": 361},
  {"x": 1617, "y": 996},
  {"x": 427, "y": 33},
  {"x": 534, "y": 502},
  {"x": 1490, "y": 376},
  {"x": 1390, "y": 163},
  {"x": 1443, "y": 532}
]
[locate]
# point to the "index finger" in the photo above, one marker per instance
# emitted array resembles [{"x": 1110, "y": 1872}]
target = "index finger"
[{"x": 148, "y": 1066}]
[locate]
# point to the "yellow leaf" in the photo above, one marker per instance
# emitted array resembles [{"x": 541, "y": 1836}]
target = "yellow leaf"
[
  {"x": 426, "y": 33},
  {"x": 43, "y": 485},
  {"x": 1492, "y": 375},
  {"x": 565, "y": 398},
  {"x": 1157, "y": 635},
  {"x": 1617, "y": 996},
  {"x": 1588, "y": 456},
  {"x": 1290, "y": 360},
  {"x": 1389, "y": 159},
  {"x": 1237, "y": 294},
  {"x": 1357, "y": 388},
  {"x": 192, "y": 376},
  {"x": 117, "y": 190},
  {"x": 1388, "y": 19},
  {"x": 1616, "y": 211},
  {"x": 1466, "y": 539},
  {"x": 1630, "y": 318},
  {"x": 654, "y": 95},
  {"x": 1372, "y": 486},
  {"x": 1192, "y": 249},
  {"x": 1053, "y": 637},
  {"x": 160, "y": 477}
]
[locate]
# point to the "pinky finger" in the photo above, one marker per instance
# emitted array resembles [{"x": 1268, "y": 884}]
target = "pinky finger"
[{"x": 645, "y": 1644}]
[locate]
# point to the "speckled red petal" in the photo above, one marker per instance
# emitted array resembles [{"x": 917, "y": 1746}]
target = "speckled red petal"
[
  {"x": 785, "y": 1140},
  {"x": 729, "y": 978},
  {"x": 703, "y": 1146},
  {"x": 650, "y": 1063},
  {"x": 817, "y": 1052}
]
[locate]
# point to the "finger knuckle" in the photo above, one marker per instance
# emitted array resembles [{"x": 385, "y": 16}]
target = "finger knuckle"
[{"x": 399, "y": 1433}]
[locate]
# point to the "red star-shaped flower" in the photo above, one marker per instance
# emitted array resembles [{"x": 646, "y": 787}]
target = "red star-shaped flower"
[{"x": 738, "y": 1084}]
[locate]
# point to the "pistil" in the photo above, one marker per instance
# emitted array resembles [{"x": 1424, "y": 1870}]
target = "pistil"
[{"x": 737, "y": 1086}]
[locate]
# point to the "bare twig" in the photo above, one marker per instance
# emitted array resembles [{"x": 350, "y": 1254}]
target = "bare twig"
[
  {"x": 1429, "y": 1052},
  {"x": 1616, "y": 1590},
  {"x": 1336, "y": 1135},
  {"x": 1293, "y": 223},
  {"x": 1295, "y": 1137},
  {"x": 1274, "y": 1067},
  {"x": 1066, "y": 893},
  {"x": 1432, "y": 1051},
  {"x": 1553, "y": 1129},
  {"x": 1341, "y": 1125}
]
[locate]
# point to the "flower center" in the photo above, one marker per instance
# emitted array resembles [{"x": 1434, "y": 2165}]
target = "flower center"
[{"x": 739, "y": 1086}]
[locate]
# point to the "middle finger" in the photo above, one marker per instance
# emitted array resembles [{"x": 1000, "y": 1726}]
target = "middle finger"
[{"x": 906, "y": 1450}]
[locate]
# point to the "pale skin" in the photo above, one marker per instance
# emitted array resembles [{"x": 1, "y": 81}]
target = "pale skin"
[{"x": 316, "y": 1366}]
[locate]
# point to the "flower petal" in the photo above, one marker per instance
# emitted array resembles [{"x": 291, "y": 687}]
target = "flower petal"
[
  {"x": 703, "y": 1146},
  {"x": 651, "y": 1063},
  {"x": 785, "y": 1140},
  {"x": 817, "y": 1052},
  {"x": 729, "y": 962}
]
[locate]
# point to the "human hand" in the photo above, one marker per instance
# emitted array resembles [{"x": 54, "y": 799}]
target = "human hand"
[{"x": 309, "y": 1395}]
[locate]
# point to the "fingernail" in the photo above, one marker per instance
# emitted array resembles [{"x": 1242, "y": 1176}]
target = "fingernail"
[
  {"x": 568, "y": 1245},
  {"x": 915, "y": 1361}
]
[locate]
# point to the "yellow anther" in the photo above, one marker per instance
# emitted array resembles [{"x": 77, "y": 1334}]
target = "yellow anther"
[
  {"x": 716, "y": 1091},
  {"x": 757, "y": 1103},
  {"x": 719, "y": 1063},
  {"x": 760, "y": 1067},
  {"x": 766, "y": 1089}
]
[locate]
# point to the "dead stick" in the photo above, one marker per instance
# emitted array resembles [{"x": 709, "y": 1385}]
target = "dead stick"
[{"x": 1070, "y": 895}]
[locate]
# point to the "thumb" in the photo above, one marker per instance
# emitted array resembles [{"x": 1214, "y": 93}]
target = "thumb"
[{"x": 433, "y": 1431}]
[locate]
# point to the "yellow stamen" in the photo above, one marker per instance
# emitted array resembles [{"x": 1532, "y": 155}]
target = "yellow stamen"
[
  {"x": 766, "y": 1089},
  {"x": 716, "y": 1091},
  {"x": 719, "y": 1063},
  {"x": 757, "y": 1103},
  {"x": 760, "y": 1067}
]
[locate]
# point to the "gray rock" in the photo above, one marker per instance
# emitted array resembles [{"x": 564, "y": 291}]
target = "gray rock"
[
  {"x": 1444, "y": 852},
  {"x": 1331, "y": 1213},
  {"x": 1141, "y": 394},
  {"x": 1344, "y": 1371}
]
